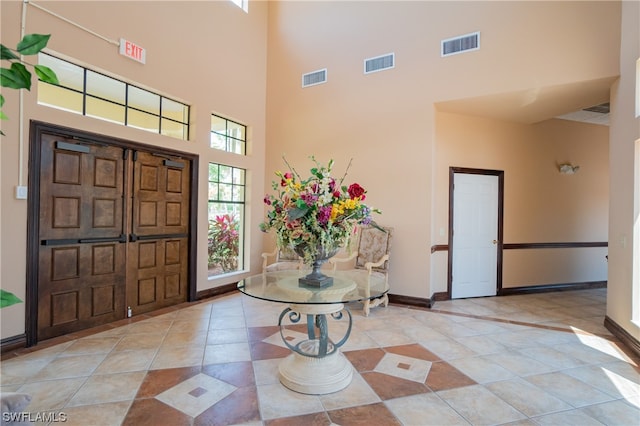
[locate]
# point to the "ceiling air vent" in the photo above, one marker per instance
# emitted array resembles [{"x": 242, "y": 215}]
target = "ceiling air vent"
[
  {"x": 602, "y": 108},
  {"x": 379, "y": 63},
  {"x": 465, "y": 43},
  {"x": 315, "y": 77}
]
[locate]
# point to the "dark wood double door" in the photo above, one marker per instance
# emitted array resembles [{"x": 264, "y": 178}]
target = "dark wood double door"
[{"x": 113, "y": 232}]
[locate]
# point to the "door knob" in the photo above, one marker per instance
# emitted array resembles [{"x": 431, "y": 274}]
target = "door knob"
[{"x": 495, "y": 241}]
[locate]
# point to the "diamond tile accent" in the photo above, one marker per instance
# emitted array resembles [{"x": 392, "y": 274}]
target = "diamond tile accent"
[
  {"x": 404, "y": 367},
  {"x": 196, "y": 394}
]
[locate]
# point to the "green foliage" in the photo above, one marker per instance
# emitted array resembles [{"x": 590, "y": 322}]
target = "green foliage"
[
  {"x": 224, "y": 243},
  {"x": 18, "y": 76},
  {"x": 8, "y": 298}
]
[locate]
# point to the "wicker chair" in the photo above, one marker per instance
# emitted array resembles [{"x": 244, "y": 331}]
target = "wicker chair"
[{"x": 371, "y": 254}]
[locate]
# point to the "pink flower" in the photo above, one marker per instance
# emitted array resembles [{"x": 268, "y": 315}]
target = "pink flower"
[{"x": 324, "y": 214}]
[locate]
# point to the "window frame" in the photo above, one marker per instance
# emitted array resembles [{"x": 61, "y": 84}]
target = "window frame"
[
  {"x": 242, "y": 203},
  {"x": 228, "y": 139},
  {"x": 90, "y": 96}
]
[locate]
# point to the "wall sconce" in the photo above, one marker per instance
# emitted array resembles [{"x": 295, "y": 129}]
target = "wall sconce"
[{"x": 568, "y": 169}]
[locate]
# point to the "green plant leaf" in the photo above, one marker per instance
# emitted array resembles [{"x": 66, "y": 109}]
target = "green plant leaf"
[
  {"x": 297, "y": 213},
  {"x": 33, "y": 43},
  {"x": 2, "y": 114},
  {"x": 46, "y": 74},
  {"x": 17, "y": 77},
  {"x": 6, "y": 53},
  {"x": 8, "y": 298}
]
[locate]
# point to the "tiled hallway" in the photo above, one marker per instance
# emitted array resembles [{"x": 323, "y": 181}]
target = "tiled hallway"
[{"x": 542, "y": 359}]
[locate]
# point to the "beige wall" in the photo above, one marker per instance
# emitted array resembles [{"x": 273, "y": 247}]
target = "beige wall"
[
  {"x": 623, "y": 295},
  {"x": 214, "y": 57},
  {"x": 402, "y": 148},
  {"x": 540, "y": 204},
  {"x": 210, "y": 55}
]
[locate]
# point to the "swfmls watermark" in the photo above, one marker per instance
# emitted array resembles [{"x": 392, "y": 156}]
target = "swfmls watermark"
[{"x": 35, "y": 417}]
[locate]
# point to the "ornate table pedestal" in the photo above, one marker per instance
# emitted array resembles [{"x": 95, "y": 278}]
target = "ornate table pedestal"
[{"x": 316, "y": 366}]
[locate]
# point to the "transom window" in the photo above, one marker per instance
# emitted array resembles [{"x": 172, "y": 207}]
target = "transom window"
[
  {"x": 87, "y": 92},
  {"x": 226, "y": 219},
  {"x": 227, "y": 135}
]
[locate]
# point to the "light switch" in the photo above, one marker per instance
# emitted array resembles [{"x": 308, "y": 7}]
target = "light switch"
[{"x": 21, "y": 192}]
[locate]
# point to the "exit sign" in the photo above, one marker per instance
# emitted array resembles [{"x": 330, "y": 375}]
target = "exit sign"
[{"x": 132, "y": 51}]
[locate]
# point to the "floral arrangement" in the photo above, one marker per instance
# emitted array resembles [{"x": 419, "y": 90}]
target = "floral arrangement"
[{"x": 316, "y": 213}]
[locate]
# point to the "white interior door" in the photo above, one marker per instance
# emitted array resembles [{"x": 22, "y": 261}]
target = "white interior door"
[{"x": 475, "y": 235}]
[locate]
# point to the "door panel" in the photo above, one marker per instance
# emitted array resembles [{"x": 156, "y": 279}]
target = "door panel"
[
  {"x": 81, "y": 252},
  {"x": 475, "y": 235},
  {"x": 160, "y": 195},
  {"x": 81, "y": 286},
  {"x": 113, "y": 231},
  {"x": 157, "y": 274},
  {"x": 158, "y": 254},
  {"x": 80, "y": 191}
]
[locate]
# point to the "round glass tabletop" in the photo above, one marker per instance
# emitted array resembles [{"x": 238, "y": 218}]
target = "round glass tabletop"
[{"x": 283, "y": 286}]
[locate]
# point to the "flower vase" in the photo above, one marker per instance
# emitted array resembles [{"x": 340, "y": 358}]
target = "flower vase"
[{"x": 316, "y": 278}]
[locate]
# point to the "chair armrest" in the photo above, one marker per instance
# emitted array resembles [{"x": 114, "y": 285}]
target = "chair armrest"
[
  {"x": 370, "y": 265},
  {"x": 335, "y": 260},
  {"x": 266, "y": 256}
]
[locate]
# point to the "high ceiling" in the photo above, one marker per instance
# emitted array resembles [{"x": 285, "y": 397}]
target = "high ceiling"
[{"x": 535, "y": 105}]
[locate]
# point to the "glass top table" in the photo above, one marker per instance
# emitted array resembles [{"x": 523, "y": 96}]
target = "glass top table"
[
  {"x": 282, "y": 286},
  {"x": 315, "y": 366}
]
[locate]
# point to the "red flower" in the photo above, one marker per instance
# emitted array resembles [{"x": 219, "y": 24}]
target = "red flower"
[
  {"x": 356, "y": 191},
  {"x": 287, "y": 176}
]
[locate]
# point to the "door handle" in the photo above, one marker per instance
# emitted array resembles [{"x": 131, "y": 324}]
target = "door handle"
[
  {"x": 495, "y": 241},
  {"x": 64, "y": 241},
  {"x": 134, "y": 237}
]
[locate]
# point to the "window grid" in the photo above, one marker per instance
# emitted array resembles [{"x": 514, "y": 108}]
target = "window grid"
[
  {"x": 232, "y": 138},
  {"x": 160, "y": 116},
  {"x": 226, "y": 198}
]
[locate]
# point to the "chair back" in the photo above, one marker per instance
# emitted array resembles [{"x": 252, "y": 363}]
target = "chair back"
[
  {"x": 372, "y": 245},
  {"x": 286, "y": 254}
]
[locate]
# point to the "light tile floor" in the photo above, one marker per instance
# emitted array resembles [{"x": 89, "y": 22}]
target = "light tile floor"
[{"x": 542, "y": 359}]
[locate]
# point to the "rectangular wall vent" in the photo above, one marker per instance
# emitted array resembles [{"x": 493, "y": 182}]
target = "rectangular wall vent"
[
  {"x": 379, "y": 63},
  {"x": 315, "y": 77},
  {"x": 464, "y": 43}
]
